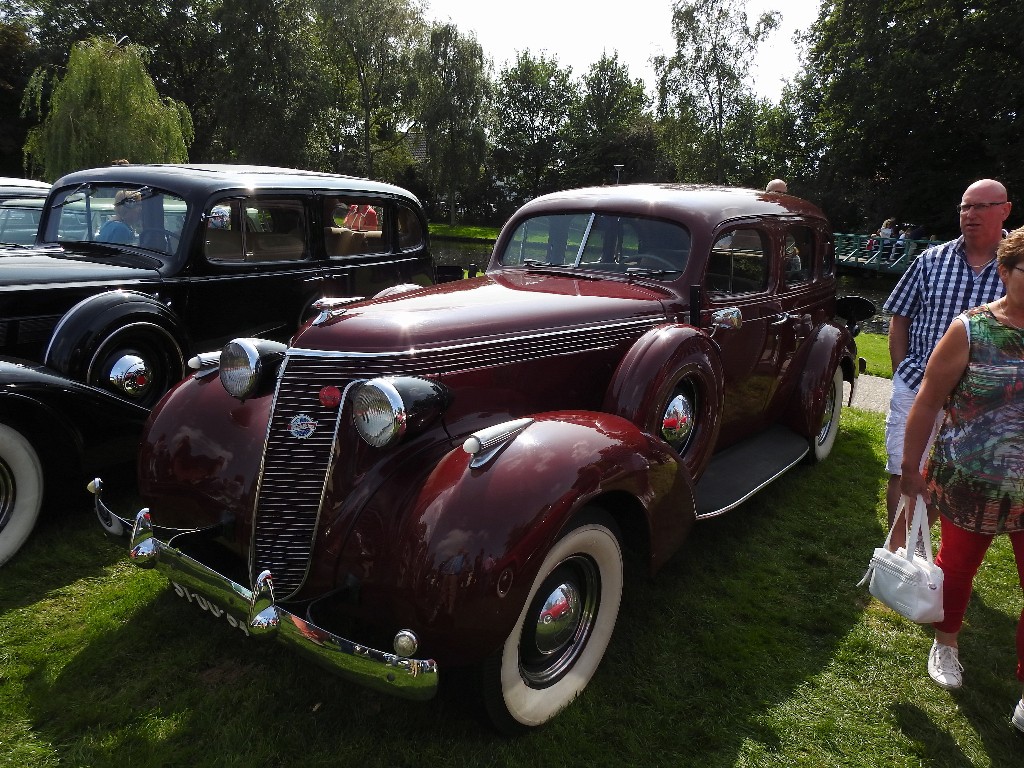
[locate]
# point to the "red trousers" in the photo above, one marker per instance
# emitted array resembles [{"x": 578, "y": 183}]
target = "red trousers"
[{"x": 960, "y": 556}]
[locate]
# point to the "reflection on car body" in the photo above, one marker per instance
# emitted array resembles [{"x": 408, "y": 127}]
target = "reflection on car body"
[{"x": 448, "y": 477}]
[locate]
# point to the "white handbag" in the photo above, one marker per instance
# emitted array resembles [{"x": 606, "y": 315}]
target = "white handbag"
[{"x": 904, "y": 581}]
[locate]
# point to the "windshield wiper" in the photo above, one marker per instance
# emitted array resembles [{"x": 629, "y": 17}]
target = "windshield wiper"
[
  {"x": 536, "y": 263},
  {"x": 85, "y": 185}
]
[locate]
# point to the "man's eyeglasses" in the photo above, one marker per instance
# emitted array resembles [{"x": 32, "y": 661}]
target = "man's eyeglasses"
[
  {"x": 1017, "y": 269},
  {"x": 965, "y": 207}
]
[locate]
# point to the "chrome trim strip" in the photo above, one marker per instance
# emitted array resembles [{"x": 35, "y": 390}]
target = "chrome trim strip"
[
  {"x": 573, "y": 332},
  {"x": 415, "y": 679}
]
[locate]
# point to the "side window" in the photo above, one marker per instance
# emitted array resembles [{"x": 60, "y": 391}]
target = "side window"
[
  {"x": 410, "y": 230},
  {"x": 274, "y": 230},
  {"x": 354, "y": 227},
  {"x": 799, "y": 255},
  {"x": 739, "y": 262}
]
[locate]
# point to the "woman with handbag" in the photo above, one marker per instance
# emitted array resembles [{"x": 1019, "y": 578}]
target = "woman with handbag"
[{"x": 975, "y": 476}]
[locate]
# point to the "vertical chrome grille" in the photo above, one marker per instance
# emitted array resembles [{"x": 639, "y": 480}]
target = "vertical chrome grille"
[{"x": 294, "y": 473}]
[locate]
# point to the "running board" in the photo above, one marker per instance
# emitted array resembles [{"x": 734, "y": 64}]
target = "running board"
[{"x": 762, "y": 458}]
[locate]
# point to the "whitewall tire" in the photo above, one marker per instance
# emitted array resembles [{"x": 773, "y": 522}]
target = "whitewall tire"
[
  {"x": 21, "y": 491},
  {"x": 545, "y": 664}
]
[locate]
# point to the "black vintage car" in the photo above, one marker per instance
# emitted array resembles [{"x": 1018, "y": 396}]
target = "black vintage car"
[{"x": 137, "y": 268}]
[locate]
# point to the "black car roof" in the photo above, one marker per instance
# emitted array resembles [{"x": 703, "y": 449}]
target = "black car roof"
[{"x": 195, "y": 178}]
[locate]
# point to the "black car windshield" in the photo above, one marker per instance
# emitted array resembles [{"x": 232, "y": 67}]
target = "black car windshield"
[
  {"x": 599, "y": 241},
  {"x": 120, "y": 215}
]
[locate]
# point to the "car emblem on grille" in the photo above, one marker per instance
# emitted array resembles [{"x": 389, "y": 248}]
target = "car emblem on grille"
[{"x": 302, "y": 426}]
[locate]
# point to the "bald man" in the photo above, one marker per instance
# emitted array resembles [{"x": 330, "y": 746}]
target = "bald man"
[
  {"x": 939, "y": 284},
  {"x": 776, "y": 185}
]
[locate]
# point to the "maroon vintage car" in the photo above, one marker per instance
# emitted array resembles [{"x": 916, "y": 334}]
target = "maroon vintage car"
[{"x": 417, "y": 480}]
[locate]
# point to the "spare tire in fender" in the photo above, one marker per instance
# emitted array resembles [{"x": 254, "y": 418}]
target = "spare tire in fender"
[{"x": 667, "y": 360}]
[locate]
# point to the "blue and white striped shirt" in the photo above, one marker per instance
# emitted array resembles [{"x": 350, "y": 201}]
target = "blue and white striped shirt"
[{"x": 937, "y": 287}]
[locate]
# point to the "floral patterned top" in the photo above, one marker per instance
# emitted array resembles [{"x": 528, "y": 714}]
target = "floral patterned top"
[{"x": 976, "y": 471}]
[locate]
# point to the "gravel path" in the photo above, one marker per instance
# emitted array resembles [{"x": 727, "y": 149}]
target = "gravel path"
[{"x": 872, "y": 393}]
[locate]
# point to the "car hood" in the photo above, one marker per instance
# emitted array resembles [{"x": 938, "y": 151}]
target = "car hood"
[
  {"x": 504, "y": 303},
  {"x": 25, "y": 269}
]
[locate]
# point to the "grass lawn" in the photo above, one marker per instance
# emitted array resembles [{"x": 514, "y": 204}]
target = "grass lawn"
[
  {"x": 753, "y": 647},
  {"x": 874, "y": 347}
]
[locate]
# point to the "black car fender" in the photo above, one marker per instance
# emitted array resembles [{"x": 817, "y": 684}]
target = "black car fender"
[
  {"x": 654, "y": 368},
  {"x": 87, "y": 325}
]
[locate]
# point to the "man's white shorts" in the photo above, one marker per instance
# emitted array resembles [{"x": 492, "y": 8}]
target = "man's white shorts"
[{"x": 896, "y": 426}]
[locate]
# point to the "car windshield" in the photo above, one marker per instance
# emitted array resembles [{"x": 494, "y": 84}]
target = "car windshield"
[
  {"x": 19, "y": 220},
  {"x": 138, "y": 216},
  {"x": 599, "y": 241}
]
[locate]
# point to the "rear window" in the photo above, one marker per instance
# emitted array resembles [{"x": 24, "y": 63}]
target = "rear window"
[{"x": 597, "y": 241}]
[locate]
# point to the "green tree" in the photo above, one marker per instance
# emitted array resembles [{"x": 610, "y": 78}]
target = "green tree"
[
  {"x": 376, "y": 41},
  {"x": 105, "y": 107},
  {"x": 705, "y": 82},
  {"x": 902, "y": 105},
  {"x": 533, "y": 99},
  {"x": 610, "y": 125},
  {"x": 453, "y": 93},
  {"x": 19, "y": 56},
  {"x": 267, "y": 107}
]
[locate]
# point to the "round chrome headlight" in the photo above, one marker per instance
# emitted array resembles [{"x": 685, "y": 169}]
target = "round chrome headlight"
[
  {"x": 240, "y": 368},
  {"x": 378, "y": 413}
]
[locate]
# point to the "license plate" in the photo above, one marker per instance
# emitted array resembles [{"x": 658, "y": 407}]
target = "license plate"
[{"x": 209, "y": 606}]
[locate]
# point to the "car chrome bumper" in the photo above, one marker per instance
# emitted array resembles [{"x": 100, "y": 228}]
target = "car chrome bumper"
[{"x": 255, "y": 613}]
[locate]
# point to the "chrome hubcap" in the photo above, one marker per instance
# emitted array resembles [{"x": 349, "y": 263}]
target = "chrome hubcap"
[
  {"x": 678, "y": 422},
  {"x": 559, "y": 629},
  {"x": 130, "y": 375}
]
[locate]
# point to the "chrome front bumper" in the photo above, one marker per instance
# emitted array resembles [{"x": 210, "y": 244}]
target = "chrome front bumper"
[{"x": 254, "y": 612}]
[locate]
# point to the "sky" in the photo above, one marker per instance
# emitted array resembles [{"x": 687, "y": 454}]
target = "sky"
[{"x": 577, "y": 32}]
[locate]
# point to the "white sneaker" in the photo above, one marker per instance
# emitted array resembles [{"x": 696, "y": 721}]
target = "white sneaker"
[
  {"x": 944, "y": 667},
  {"x": 1018, "y": 716}
]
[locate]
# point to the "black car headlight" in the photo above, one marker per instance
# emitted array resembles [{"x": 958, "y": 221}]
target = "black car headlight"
[
  {"x": 247, "y": 364},
  {"x": 385, "y": 409}
]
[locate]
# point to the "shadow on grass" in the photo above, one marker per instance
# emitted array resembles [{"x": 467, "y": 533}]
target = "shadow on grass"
[
  {"x": 66, "y": 545},
  {"x": 750, "y": 610}
]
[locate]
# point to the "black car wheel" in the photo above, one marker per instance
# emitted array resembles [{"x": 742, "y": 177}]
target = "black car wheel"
[
  {"x": 544, "y": 665},
  {"x": 21, "y": 490},
  {"x": 138, "y": 362}
]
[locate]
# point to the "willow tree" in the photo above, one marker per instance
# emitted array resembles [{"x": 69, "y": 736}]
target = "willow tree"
[{"x": 105, "y": 107}]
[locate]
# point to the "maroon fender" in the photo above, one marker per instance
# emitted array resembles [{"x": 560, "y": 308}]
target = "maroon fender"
[
  {"x": 650, "y": 372},
  {"x": 200, "y": 454},
  {"x": 828, "y": 350},
  {"x": 498, "y": 521}
]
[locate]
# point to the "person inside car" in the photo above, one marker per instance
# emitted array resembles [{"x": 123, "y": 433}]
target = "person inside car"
[{"x": 120, "y": 228}]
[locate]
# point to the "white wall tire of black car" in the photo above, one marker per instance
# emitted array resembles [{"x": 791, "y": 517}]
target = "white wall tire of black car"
[
  {"x": 824, "y": 438},
  {"x": 523, "y": 688},
  {"x": 21, "y": 491}
]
